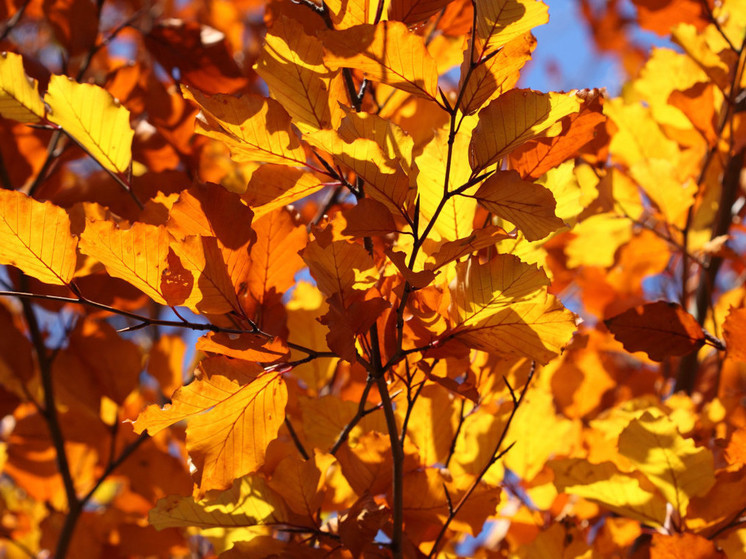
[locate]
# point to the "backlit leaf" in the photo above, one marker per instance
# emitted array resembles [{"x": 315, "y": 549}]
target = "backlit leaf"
[
  {"x": 735, "y": 334},
  {"x": 499, "y": 21},
  {"x": 35, "y": 237},
  {"x": 677, "y": 467},
  {"x": 253, "y": 128},
  {"x": 503, "y": 306},
  {"x": 530, "y": 206},
  {"x": 659, "y": 329},
  {"x": 19, "y": 96},
  {"x": 138, "y": 255},
  {"x": 234, "y": 410},
  {"x": 293, "y": 67},
  {"x": 94, "y": 119},
  {"x": 387, "y": 52},
  {"x": 513, "y": 118},
  {"x": 604, "y": 484},
  {"x": 249, "y": 502}
]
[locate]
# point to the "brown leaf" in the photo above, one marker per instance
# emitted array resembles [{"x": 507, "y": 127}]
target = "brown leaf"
[{"x": 659, "y": 329}]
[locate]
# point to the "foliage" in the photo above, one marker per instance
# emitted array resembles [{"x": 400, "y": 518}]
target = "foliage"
[{"x": 290, "y": 279}]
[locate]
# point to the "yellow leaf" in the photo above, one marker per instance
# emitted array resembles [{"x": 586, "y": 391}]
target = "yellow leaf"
[
  {"x": 381, "y": 165},
  {"x": 496, "y": 76},
  {"x": 292, "y": 65},
  {"x": 324, "y": 419},
  {"x": 387, "y": 52},
  {"x": 638, "y": 136},
  {"x": 94, "y": 119},
  {"x": 457, "y": 215},
  {"x": 513, "y": 118},
  {"x": 530, "y": 206},
  {"x": 674, "y": 464},
  {"x": 584, "y": 248},
  {"x": 253, "y": 128},
  {"x": 138, "y": 255},
  {"x": 658, "y": 178},
  {"x": 19, "y": 96},
  {"x": 604, "y": 484},
  {"x": 249, "y": 502},
  {"x": 432, "y": 424},
  {"x": 346, "y": 13},
  {"x": 35, "y": 237},
  {"x": 503, "y": 306},
  {"x": 304, "y": 309},
  {"x": 551, "y": 434},
  {"x": 499, "y": 21},
  {"x": 234, "y": 410}
]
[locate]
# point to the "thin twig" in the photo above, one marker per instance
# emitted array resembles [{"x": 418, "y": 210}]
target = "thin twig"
[
  {"x": 296, "y": 440},
  {"x": 497, "y": 453}
]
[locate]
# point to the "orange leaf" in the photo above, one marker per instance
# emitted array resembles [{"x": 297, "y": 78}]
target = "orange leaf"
[
  {"x": 35, "y": 237},
  {"x": 683, "y": 546},
  {"x": 387, "y": 52},
  {"x": 302, "y": 482},
  {"x": 368, "y": 218},
  {"x": 659, "y": 329},
  {"x": 234, "y": 410},
  {"x": 249, "y": 347},
  {"x": 139, "y": 255},
  {"x": 536, "y": 157},
  {"x": 734, "y": 330}
]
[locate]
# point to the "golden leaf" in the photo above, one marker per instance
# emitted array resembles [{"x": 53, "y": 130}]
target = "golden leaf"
[
  {"x": 35, "y": 237},
  {"x": 253, "y": 128},
  {"x": 94, "y": 119},
  {"x": 604, "y": 484},
  {"x": 387, "y": 52},
  {"x": 292, "y": 65},
  {"x": 499, "y": 21},
  {"x": 19, "y": 96},
  {"x": 234, "y": 410},
  {"x": 503, "y": 306},
  {"x": 249, "y": 502},
  {"x": 677, "y": 467},
  {"x": 530, "y": 206},
  {"x": 511, "y": 119}
]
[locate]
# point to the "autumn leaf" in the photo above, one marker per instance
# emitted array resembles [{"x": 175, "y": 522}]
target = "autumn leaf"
[
  {"x": 139, "y": 255},
  {"x": 19, "y": 96},
  {"x": 35, "y": 237},
  {"x": 674, "y": 464},
  {"x": 94, "y": 119},
  {"x": 500, "y": 21},
  {"x": 234, "y": 410},
  {"x": 502, "y": 306},
  {"x": 387, "y": 52},
  {"x": 513, "y": 118},
  {"x": 734, "y": 326},
  {"x": 659, "y": 329},
  {"x": 253, "y": 128},
  {"x": 529, "y": 205},
  {"x": 293, "y": 67},
  {"x": 249, "y": 502},
  {"x": 605, "y": 484}
]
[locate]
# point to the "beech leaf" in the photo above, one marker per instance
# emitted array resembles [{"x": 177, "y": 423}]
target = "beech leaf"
[
  {"x": 35, "y": 237},
  {"x": 94, "y": 119},
  {"x": 659, "y": 329}
]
